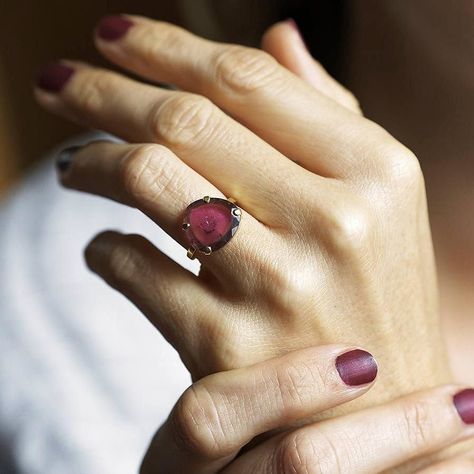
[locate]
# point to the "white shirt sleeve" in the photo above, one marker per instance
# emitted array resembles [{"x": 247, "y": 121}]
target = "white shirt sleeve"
[{"x": 85, "y": 380}]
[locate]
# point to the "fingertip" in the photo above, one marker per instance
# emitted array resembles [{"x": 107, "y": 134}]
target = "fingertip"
[
  {"x": 53, "y": 77},
  {"x": 464, "y": 404},
  {"x": 113, "y": 28},
  {"x": 98, "y": 247},
  {"x": 357, "y": 367},
  {"x": 278, "y": 35}
]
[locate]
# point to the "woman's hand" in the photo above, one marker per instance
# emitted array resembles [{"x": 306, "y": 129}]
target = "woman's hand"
[
  {"x": 218, "y": 415},
  {"x": 334, "y": 243}
]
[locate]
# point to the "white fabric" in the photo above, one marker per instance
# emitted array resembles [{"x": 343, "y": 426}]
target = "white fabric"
[{"x": 85, "y": 379}]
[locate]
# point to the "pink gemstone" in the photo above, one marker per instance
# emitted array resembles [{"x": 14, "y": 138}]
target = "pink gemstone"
[{"x": 209, "y": 223}]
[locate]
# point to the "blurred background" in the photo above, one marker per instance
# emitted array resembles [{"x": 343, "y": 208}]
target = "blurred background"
[
  {"x": 33, "y": 32},
  {"x": 410, "y": 63}
]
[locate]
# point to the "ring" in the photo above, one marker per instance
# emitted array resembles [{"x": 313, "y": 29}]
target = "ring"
[{"x": 210, "y": 223}]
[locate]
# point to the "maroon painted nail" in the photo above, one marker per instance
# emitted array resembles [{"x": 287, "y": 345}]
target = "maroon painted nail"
[
  {"x": 53, "y": 77},
  {"x": 464, "y": 403},
  {"x": 357, "y": 367},
  {"x": 112, "y": 28}
]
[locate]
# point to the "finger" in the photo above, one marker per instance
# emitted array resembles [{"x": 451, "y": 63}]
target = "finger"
[
  {"x": 459, "y": 465},
  {"x": 284, "y": 42},
  {"x": 371, "y": 440},
  {"x": 302, "y": 123},
  {"x": 227, "y": 154},
  {"x": 222, "y": 412},
  {"x": 146, "y": 176},
  {"x": 149, "y": 177},
  {"x": 172, "y": 298}
]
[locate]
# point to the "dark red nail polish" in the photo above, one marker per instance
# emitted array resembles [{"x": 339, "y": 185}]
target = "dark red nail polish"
[
  {"x": 464, "y": 403},
  {"x": 357, "y": 367},
  {"x": 112, "y": 28},
  {"x": 53, "y": 77}
]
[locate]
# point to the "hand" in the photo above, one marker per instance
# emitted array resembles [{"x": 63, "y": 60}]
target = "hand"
[
  {"x": 218, "y": 415},
  {"x": 336, "y": 247}
]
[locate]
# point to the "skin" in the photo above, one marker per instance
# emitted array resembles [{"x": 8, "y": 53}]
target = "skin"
[
  {"x": 357, "y": 187},
  {"x": 331, "y": 241},
  {"x": 221, "y": 413},
  {"x": 426, "y": 98}
]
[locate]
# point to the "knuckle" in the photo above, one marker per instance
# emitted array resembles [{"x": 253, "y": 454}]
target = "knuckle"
[
  {"x": 300, "y": 453},
  {"x": 296, "y": 383},
  {"x": 122, "y": 262},
  {"x": 90, "y": 97},
  {"x": 183, "y": 120},
  {"x": 281, "y": 285},
  {"x": 157, "y": 40},
  {"x": 243, "y": 70},
  {"x": 134, "y": 169},
  {"x": 350, "y": 228},
  {"x": 294, "y": 455},
  {"x": 352, "y": 101},
  {"x": 401, "y": 170},
  {"x": 226, "y": 345},
  {"x": 418, "y": 423},
  {"x": 148, "y": 172},
  {"x": 197, "y": 424}
]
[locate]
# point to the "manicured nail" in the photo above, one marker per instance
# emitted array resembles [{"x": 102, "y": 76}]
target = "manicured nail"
[
  {"x": 65, "y": 157},
  {"x": 464, "y": 403},
  {"x": 357, "y": 367},
  {"x": 112, "y": 28},
  {"x": 53, "y": 77}
]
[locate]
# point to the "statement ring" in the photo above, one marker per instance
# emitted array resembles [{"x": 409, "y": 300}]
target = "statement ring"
[{"x": 210, "y": 223}]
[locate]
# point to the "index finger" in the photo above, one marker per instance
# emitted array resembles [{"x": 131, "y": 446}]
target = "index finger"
[
  {"x": 370, "y": 440},
  {"x": 292, "y": 116}
]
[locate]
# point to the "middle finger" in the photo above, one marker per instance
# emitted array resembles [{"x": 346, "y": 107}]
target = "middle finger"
[{"x": 301, "y": 122}]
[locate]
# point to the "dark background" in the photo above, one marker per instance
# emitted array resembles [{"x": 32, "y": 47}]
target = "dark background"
[{"x": 34, "y": 32}]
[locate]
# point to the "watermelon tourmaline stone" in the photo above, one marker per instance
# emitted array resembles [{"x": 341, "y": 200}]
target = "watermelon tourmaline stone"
[{"x": 210, "y": 223}]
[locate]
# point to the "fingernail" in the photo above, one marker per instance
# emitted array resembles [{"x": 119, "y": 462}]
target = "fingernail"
[
  {"x": 357, "y": 367},
  {"x": 112, "y": 28},
  {"x": 65, "y": 157},
  {"x": 291, "y": 22},
  {"x": 464, "y": 403},
  {"x": 53, "y": 77}
]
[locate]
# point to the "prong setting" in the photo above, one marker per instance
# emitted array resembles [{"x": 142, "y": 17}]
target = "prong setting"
[{"x": 209, "y": 224}]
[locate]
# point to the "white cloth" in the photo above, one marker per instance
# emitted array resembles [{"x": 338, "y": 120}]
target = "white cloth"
[{"x": 85, "y": 379}]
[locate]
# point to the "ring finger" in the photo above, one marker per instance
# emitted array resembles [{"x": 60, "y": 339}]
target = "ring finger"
[
  {"x": 301, "y": 122},
  {"x": 153, "y": 179}
]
